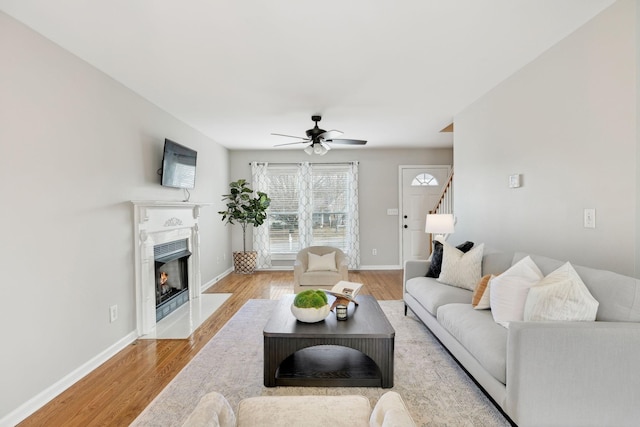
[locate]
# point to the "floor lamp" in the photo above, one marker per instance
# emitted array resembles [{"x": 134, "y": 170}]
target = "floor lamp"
[{"x": 438, "y": 224}]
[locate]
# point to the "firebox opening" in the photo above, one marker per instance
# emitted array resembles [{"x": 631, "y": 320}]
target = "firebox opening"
[{"x": 172, "y": 278}]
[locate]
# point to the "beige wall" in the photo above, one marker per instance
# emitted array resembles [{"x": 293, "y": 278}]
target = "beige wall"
[
  {"x": 568, "y": 123},
  {"x": 378, "y": 175},
  {"x": 77, "y": 147}
]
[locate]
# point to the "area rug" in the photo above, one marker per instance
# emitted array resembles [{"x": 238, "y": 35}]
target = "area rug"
[{"x": 436, "y": 390}]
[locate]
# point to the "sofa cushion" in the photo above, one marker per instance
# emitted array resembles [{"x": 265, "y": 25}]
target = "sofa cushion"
[
  {"x": 320, "y": 278},
  {"x": 436, "y": 257},
  {"x": 461, "y": 269},
  {"x": 431, "y": 294},
  {"x": 311, "y": 411},
  {"x": 479, "y": 334},
  {"x": 561, "y": 295},
  {"x": 494, "y": 262}
]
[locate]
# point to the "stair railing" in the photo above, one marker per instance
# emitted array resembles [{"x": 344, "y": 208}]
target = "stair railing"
[{"x": 444, "y": 204}]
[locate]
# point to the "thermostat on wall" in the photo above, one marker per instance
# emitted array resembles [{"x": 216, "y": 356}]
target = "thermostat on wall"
[{"x": 514, "y": 181}]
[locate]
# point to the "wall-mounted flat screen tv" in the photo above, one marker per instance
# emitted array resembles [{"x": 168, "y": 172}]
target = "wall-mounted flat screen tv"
[{"x": 178, "y": 165}]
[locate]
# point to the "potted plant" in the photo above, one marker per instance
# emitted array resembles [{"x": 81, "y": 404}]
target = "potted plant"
[
  {"x": 310, "y": 306},
  {"x": 245, "y": 209}
]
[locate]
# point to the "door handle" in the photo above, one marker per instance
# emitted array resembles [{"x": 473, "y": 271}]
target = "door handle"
[{"x": 406, "y": 226}]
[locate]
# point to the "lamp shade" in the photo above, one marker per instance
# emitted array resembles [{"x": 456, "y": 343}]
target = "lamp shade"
[{"x": 439, "y": 224}]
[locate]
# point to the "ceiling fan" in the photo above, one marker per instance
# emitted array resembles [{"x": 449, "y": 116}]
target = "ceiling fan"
[{"x": 319, "y": 139}]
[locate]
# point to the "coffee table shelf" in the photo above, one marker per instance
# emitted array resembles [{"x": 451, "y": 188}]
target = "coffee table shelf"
[
  {"x": 331, "y": 353},
  {"x": 328, "y": 366}
]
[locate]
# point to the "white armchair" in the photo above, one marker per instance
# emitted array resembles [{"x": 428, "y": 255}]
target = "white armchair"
[{"x": 323, "y": 272}]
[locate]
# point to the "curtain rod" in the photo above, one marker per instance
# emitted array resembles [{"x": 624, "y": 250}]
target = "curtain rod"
[{"x": 299, "y": 163}]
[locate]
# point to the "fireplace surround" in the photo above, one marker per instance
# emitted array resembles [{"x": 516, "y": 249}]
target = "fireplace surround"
[{"x": 157, "y": 223}]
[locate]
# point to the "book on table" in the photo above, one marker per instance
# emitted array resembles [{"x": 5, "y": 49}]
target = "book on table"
[{"x": 345, "y": 290}]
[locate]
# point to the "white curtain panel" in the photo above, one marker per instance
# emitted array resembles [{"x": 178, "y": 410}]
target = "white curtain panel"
[
  {"x": 263, "y": 175},
  {"x": 261, "y": 234},
  {"x": 305, "y": 206},
  {"x": 353, "y": 226}
]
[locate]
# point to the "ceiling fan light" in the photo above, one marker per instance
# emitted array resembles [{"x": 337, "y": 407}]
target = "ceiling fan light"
[
  {"x": 309, "y": 150},
  {"x": 318, "y": 149}
]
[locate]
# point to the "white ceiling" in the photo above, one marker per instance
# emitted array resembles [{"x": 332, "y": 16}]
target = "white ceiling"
[{"x": 392, "y": 72}]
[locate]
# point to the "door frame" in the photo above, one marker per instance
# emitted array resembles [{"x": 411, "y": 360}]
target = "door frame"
[{"x": 401, "y": 169}]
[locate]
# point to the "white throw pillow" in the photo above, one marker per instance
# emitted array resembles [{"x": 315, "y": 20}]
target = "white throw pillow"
[
  {"x": 460, "y": 269},
  {"x": 562, "y": 295},
  {"x": 325, "y": 262},
  {"x": 508, "y": 291}
]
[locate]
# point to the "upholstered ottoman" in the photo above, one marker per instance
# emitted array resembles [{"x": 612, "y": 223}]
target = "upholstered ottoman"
[{"x": 305, "y": 411}]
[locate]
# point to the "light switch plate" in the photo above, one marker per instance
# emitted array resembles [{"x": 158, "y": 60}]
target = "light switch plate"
[
  {"x": 590, "y": 218},
  {"x": 514, "y": 181}
]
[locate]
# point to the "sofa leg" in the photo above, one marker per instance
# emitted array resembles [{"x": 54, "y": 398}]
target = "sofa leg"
[{"x": 405, "y": 309}]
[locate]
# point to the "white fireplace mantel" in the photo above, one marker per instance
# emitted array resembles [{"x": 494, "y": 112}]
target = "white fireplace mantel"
[{"x": 157, "y": 222}]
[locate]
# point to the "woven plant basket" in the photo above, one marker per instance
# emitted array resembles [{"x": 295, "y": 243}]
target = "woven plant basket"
[{"x": 245, "y": 262}]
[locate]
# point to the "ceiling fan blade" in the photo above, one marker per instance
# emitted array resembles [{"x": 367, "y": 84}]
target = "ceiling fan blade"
[
  {"x": 290, "y": 136},
  {"x": 330, "y": 134},
  {"x": 292, "y": 143},
  {"x": 346, "y": 141}
]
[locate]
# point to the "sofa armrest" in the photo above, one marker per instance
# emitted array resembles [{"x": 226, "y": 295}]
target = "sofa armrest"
[
  {"x": 213, "y": 410},
  {"x": 573, "y": 373},
  {"x": 298, "y": 270},
  {"x": 390, "y": 411},
  {"x": 414, "y": 268},
  {"x": 343, "y": 269}
]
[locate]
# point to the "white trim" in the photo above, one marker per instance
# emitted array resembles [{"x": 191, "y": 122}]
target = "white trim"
[
  {"x": 210, "y": 283},
  {"x": 38, "y": 401},
  {"x": 401, "y": 168},
  {"x": 379, "y": 267},
  {"x": 157, "y": 222},
  {"x": 362, "y": 267}
]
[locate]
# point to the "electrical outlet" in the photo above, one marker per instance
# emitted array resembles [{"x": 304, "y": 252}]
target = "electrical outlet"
[
  {"x": 113, "y": 313},
  {"x": 374, "y": 252}
]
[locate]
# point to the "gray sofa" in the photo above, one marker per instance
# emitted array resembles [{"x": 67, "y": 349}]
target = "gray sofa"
[{"x": 542, "y": 373}]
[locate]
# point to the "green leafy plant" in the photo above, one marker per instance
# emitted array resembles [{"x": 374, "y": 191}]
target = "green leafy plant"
[
  {"x": 311, "y": 299},
  {"x": 243, "y": 208}
]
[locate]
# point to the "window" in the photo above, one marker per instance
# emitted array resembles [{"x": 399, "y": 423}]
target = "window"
[
  {"x": 311, "y": 205},
  {"x": 424, "y": 179},
  {"x": 283, "y": 190}
]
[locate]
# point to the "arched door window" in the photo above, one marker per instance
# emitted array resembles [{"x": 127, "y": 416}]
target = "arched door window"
[{"x": 424, "y": 179}]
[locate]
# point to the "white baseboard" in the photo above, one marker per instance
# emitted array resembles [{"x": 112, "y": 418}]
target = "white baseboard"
[
  {"x": 38, "y": 401},
  {"x": 380, "y": 267},
  {"x": 362, "y": 267},
  {"x": 215, "y": 280}
]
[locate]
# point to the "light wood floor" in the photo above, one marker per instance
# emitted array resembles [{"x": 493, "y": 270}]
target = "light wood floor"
[{"x": 116, "y": 392}]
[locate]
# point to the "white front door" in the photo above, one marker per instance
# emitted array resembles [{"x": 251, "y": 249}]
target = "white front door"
[{"x": 421, "y": 187}]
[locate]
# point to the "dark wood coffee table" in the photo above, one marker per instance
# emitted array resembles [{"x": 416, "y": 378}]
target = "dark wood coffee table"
[{"x": 357, "y": 352}]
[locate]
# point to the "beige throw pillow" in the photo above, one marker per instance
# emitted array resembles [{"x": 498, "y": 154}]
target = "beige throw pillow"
[
  {"x": 562, "y": 295},
  {"x": 460, "y": 269},
  {"x": 325, "y": 262}
]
